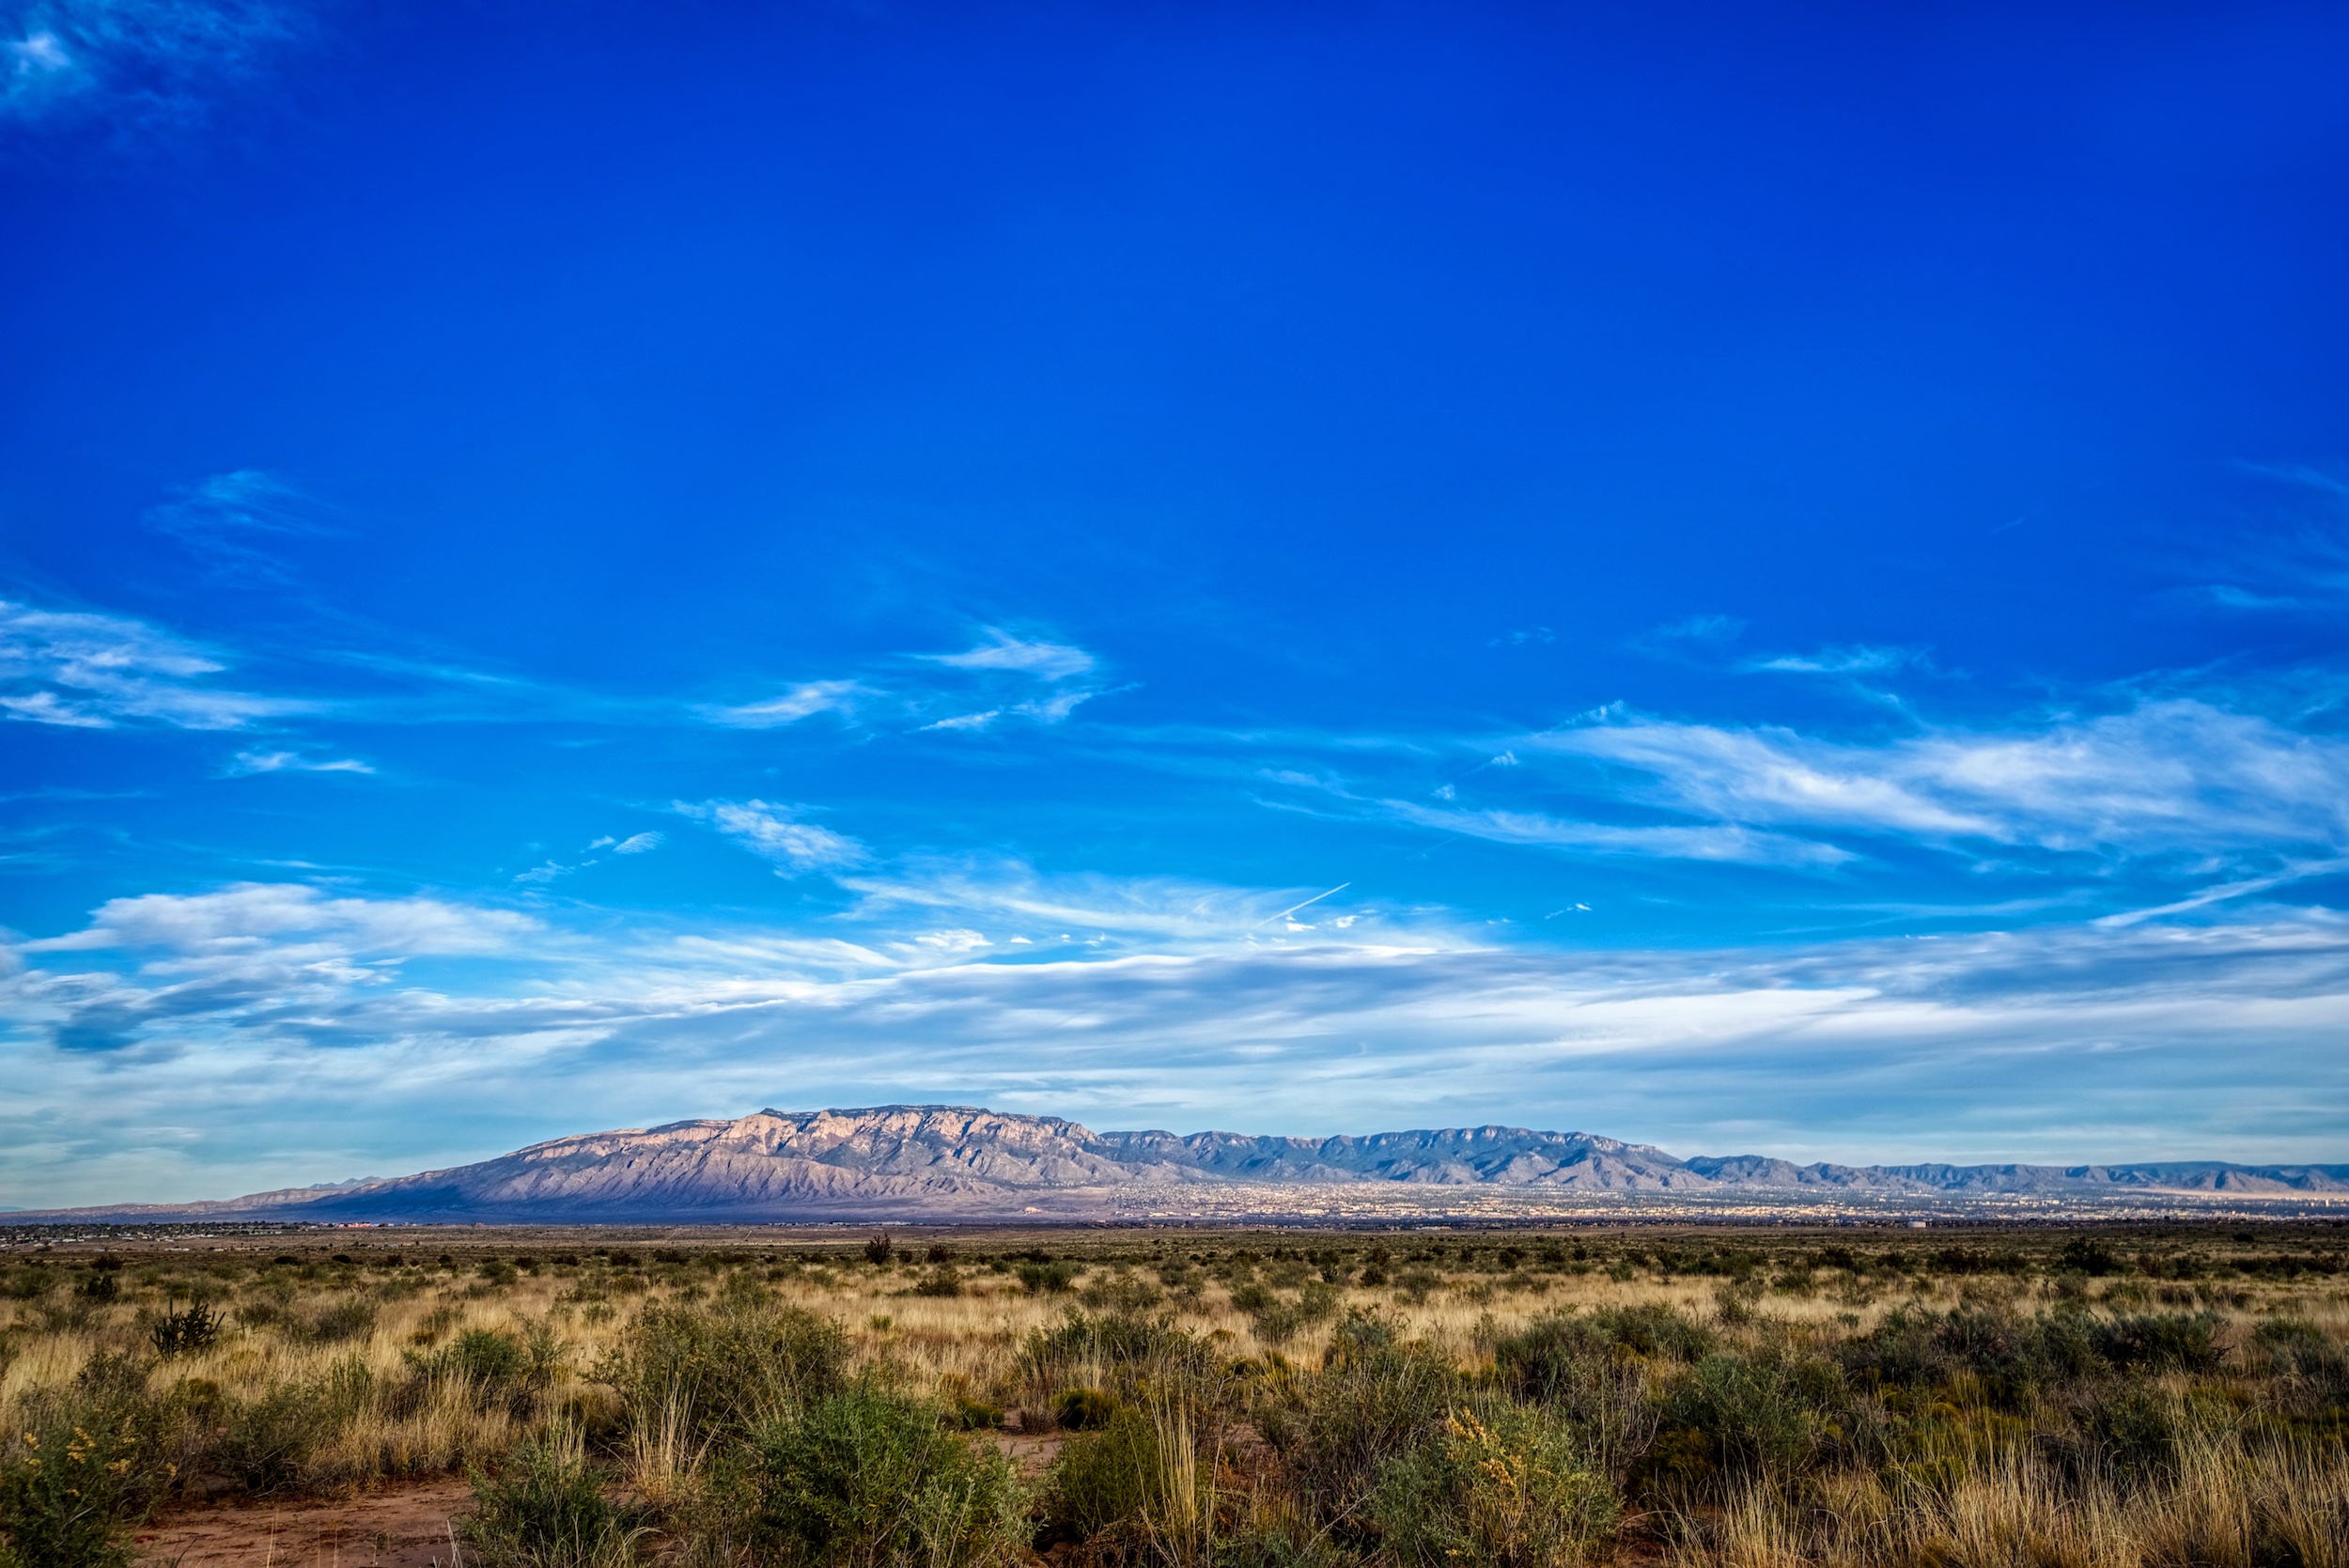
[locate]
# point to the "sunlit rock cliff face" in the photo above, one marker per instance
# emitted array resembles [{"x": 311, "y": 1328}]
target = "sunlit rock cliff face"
[{"x": 960, "y": 1162}]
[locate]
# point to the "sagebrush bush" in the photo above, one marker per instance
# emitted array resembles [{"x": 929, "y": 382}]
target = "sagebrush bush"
[
  {"x": 724, "y": 1370},
  {"x": 1376, "y": 1395},
  {"x": 1509, "y": 1486},
  {"x": 86, "y": 1465},
  {"x": 544, "y": 1507},
  {"x": 867, "y": 1475},
  {"x": 1102, "y": 1478}
]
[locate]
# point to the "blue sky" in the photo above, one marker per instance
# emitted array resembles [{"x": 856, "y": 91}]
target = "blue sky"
[{"x": 1753, "y": 581}]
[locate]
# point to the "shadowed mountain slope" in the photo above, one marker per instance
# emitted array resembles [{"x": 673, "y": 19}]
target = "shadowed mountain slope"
[{"x": 961, "y": 1162}]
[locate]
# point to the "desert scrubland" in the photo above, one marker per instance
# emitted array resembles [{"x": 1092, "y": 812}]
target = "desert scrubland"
[{"x": 2092, "y": 1397}]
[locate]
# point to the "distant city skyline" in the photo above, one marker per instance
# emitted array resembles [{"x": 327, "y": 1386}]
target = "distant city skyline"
[{"x": 1741, "y": 582}]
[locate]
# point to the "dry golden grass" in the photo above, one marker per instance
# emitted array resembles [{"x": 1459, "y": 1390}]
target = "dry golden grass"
[{"x": 2229, "y": 1504}]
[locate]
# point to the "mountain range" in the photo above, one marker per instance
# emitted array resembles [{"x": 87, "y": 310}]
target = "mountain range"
[{"x": 960, "y": 1162}]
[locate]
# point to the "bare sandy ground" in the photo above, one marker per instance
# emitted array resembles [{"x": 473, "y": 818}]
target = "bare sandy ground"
[
  {"x": 404, "y": 1528},
  {"x": 409, "y": 1528}
]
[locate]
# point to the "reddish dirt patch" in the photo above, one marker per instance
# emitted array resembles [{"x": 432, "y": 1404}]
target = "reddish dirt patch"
[
  {"x": 1033, "y": 1456},
  {"x": 407, "y": 1529}
]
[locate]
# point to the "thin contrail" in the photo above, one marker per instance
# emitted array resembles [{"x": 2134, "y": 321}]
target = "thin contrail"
[{"x": 1294, "y": 907}]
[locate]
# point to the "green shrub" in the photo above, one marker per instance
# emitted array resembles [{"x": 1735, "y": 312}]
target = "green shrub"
[
  {"x": 64, "y": 1503},
  {"x": 1047, "y": 1279},
  {"x": 1126, "y": 1350},
  {"x": 81, "y": 1466},
  {"x": 1375, "y": 1396},
  {"x": 1083, "y": 1410},
  {"x": 2180, "y": 1341},
  {"x": 944, "y": 1281},
  {"x": 1511, "y": 1487},
  {"x": 346, "y": 1319},
  {"x": 1733, "y": 1420},
  {"x": 267, "y": 1443},
  {"x": 727, "y": 1368},
  {"x": 485, "y": 1356},
  {"x": 544, "y": 1508},
  {"x": 1120, "y": 1291},
  {"x": 185, "y": 1332},
  {"x": 2292, "y": 1346},
  {"x": 1656, "y": 1330},
  {"x": 866, "y": 1476},
  {"x": 1102, "y": 1478},
  {"x": 2132, "y": 1433},
  {"x": 974, "y": 1415}
]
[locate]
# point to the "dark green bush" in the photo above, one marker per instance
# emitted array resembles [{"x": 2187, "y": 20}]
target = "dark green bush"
[
  {"x": 346, "y": 1319},
  {"x": 867, "y": 1475},
  {"x": 2133, "y": 1434},
  {"x": 1552, "y": 1354},
  {"x": 27, "y": 1284},
  {"x": 2012, "y": 1358},
  {"x": 1656, "y": 1330},
  {"x": 545, "y": 1507},
  {"x": 2180, "y": 1341},
  {"x": 1130, "y": 1349},
  {"x": 267, "y": 1443},
  {"x": 2092, "y": 1258},
  {"x": 2298, "y": 1348},
  {"x": 1047, "y": 1279},
  {"x": 1101, "y": 1480},
  {"x": 1375, "y": 1396},
  {"x": 485, "y": 1356},
  {"x": 1508, "y": 1486},
  {"x": 944, "y": 1280},
  {"x": 186, "y": 1331},
  {"x": 974, "y": 1415},
  {"x": 1083, "y": 1410},
  {"x": 63, "y": 1503},
  {"x": 1120, "y": 1291},
  {"x": 728, "y": 1367},
  {"x": 1735, "y": 1420},
  {"x": 81, "y": 1466}
]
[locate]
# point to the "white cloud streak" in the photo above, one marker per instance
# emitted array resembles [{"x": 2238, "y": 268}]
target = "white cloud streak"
[
  {"x": 247, "y": 763},
  {"x": 142, "y": 63},
  {"x": 804, "y": 701},
  {"x": 775, "y": 834},
  {"x": 85, "y": 671},
  {"x": 1003, "y": 651},
  {"x": 2174, "y": 776},
  {"x": 183, "y": 1021}
]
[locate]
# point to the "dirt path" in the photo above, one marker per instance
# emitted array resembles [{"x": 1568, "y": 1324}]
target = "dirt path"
[
  {"x": 403, "y": 1528},
  {"x": 407, "y": 1529}
]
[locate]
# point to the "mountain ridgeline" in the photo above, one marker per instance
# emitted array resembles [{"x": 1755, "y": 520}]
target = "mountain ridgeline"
[{"x": 956, "y": 1162}]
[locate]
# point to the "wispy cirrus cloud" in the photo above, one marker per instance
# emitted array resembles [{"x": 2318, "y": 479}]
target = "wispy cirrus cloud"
[
  {"x": 1726, "y": 842},
  {"x": 138, "y": 64},
  {"x": 245, "y": 764},
  {"x": 86, "y": 671},
  {"x": 199, "y": 1013},
  {"x": 1002, "y": 677},
  {"x": 1000, "y": 650},
  {"x": 229, "y": 520},
  {"x": 247, "y": 915},
  {"x": 775, "y": 834},
  {"x": 1857, "y": 660},
  {"x": 2292, "y": 563},
  {"x": 2174, "y": 776},
  {"x": 802, "y": 700}
]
